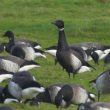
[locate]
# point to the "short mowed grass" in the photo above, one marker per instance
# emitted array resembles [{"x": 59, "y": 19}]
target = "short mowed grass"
[{"x": 85, "y": 21}]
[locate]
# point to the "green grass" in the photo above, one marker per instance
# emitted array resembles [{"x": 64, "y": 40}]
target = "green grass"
[{"x": 85, "y": 21}]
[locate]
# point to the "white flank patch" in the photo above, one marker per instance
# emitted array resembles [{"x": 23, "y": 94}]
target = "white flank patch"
[
  {"x": 84, "y": 48},
  {"x": 58, "y": 88},
  {"x": 99, "y": 52},
  {"x": 34, "y": 79},
  {"x": 105, "y": 54},
  {"x": 63, "y": 104},
  {"x": 53, "y": 92},
  {"x": 92, "y": 95},
  {"x": 107, "y": 51},
  {"x": 5, "y": 76},
  {"x": 76, "y": 63},
  {"x": 38, "y": 47},
  {"x": 31, "y": 92},
  {"x": 51, "y": 52},
  {"x": 9, "y": 100},
  {"x": 103, "y": 108},
  {"x": 28, "y": 67},
  {"x": 80, "y": 96},
  {"x": 8, "y": 65},
  {"x": 89, "y": 58},
  {"x": 29, "y": 53},
  {"x": 84, "y": 69},
  {"x": 37, "y": 54},
  {"x": 14, "y": 90}
]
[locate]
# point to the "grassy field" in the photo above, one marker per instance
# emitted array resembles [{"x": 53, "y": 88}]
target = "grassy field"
[{"x": 85, "y": 21}]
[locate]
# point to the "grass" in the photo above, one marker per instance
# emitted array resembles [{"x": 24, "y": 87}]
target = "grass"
[{"x": 85, "y": 21}]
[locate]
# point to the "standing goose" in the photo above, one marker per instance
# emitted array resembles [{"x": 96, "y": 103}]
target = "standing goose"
[
  {"x": 69, "y": 59},
  {"x": 102, "y": 83},
  {"x": 22, "y": 50},
  {"x": 14, "y": 64},
  {"x": 95, "y": 106},
  {"x": 53, "y": 49},
  {"x": 34, "y": 44},
  {"x": 72, "y": 94}
]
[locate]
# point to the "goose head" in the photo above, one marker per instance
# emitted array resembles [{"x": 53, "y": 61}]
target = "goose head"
[
  {"x": 9, "y": 34},
  {"x": 59, "y": 24}
]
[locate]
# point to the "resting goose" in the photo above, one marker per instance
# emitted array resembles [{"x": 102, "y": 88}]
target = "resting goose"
[
  {"x": 102, "y": 83},
  {"x": 68, "y": 58},
  {"x": 24, "y": 89},
  {"x": 34, "y": 44},
  {"x": 48, "y": 96},
  {"x": 24, "y": 74},
  {"x": 23, "y": 50},
  {"x": 14, "y": 64},
  {"x": 5, "y": 96},
  {"x": 72, "y": 94},
  {"x": 4, "y": 75}
]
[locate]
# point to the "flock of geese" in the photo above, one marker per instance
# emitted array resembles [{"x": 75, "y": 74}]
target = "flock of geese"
[{"x": 23, "y": 87}]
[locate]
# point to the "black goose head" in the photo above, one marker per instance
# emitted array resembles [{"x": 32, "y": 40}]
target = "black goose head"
[
  {"x": 9, "y": 34},
  {"x": 59, "y": 23},
  {"x": 63, "y": 98},
  {"x": 95, "y": 57}
]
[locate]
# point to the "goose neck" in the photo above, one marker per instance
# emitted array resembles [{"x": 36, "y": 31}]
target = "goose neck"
[{"x": 62, "y": 42}]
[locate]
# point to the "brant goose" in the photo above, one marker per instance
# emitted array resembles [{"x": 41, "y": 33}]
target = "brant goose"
[
  {"x": 48, "y": 96},
  {"x": 102, "y": 83},
  {"x": 68, "y": 58},
  {"x": 14, "y": 64},
  {"x": 24, "y": 89},
  {"x": 72, "y": 94},
  {"x": 4, "y": 75},
  {"x": 24, "y": 74},
  {"x": 5, "y": 96},
  {"x": 95, "y": 106},
  {"x": 34, "y": 44},
  {"x": 97, "y": 46},
  {"x": 25, "y": 51}
]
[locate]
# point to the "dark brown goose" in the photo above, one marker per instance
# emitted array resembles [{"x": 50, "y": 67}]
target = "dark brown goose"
[{"x": 69, "y": 59}]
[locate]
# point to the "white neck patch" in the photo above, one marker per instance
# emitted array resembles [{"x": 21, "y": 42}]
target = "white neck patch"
[{"x": 61, "y": 29}]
